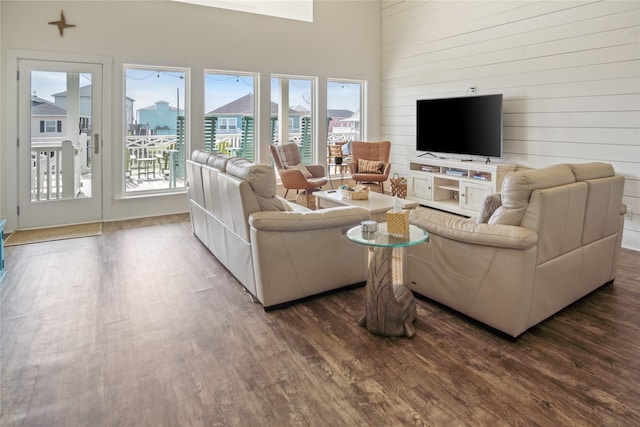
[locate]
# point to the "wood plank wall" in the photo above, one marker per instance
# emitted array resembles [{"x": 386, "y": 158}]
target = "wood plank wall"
[{"x": 569, "y": 72}]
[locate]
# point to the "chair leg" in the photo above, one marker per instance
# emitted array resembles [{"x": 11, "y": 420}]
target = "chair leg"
[{"x": 285, "y": 193}]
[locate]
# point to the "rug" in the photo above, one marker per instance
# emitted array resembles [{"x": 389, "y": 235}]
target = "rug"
[{"x": 23, "y": 237}]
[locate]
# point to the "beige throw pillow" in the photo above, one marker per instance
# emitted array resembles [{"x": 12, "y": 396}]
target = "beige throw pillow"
[
  {"x": 491, "y": 203},
  {"x": 369, "y": 166},
  {"x": 302, "y": 168}
]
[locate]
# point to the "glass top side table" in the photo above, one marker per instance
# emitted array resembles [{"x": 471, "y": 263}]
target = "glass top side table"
[{"x": 390, "y": 308}]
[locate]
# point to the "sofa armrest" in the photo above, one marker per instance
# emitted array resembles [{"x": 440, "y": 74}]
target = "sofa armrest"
[
  {"x": 316, "y": 170},
  {"x": 292, "y": 178},
  {"x": 342, "y": 216},
  {"x": 468, "y": 231}
]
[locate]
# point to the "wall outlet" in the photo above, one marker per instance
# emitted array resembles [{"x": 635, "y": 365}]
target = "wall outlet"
[
  {"x": 473, "y": 90},
  {"x": 629, "y": 214}
]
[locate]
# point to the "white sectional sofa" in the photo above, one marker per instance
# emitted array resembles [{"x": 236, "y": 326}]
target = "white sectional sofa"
[
  {"x": 554, "y": 238},
  {"x": 278, "y": 251}
]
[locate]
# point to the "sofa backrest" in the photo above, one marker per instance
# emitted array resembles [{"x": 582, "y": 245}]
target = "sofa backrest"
[
  {"x": 569, "y": 205},
  {"x": 518, "y": 186},
  {"x": 604, "y": 201},
  {"x": 232, "y": 188}
]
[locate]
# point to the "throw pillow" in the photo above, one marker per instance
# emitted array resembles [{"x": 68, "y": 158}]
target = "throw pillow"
[
  {"x": 346, "y": 148},
  {"x": 275, "y": 203},
  {"x": 491, "y": 203},
  {"x": 302, "y": 168},
  {"x": 370, "y": 166}
]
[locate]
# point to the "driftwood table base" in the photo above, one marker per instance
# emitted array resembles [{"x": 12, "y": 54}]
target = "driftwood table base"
[{"x": 390, "y": 309}]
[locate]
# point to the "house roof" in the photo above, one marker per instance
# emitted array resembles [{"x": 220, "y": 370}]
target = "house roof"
[
  {"x": 339, "y": 113},
  {"x": 42, "y": 107},
  {"x": 84, "y": 91},
  {"x": 155, "y": 107},
  {"x": 244, "y": 106}
]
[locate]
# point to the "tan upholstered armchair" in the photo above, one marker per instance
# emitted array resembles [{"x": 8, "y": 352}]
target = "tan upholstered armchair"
[
  {"x": 370, "y": 162},
  {"x": 293, "y": 174}
]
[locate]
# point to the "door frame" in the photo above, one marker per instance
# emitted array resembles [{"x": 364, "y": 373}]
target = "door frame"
[{"x": 10, "y": 125}]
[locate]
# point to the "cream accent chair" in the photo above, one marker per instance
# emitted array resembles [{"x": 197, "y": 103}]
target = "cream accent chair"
[
  {"x": 279, "y": 251},
  {"x": 555, "y": 238}
]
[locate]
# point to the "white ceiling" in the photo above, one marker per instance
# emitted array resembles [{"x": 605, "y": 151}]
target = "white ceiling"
[{"x": 301, "y": 10}]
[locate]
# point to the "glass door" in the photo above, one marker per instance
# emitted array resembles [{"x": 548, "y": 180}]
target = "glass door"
[{"x": 59, "y": 153}]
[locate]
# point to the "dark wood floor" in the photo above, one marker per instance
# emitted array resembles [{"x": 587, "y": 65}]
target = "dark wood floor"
[{"x": 142, "y": 327}]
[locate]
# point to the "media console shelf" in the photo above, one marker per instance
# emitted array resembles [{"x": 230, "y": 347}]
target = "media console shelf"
[{"x": 454, "y": 185}]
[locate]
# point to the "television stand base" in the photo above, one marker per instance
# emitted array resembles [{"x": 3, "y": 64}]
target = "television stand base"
[{"x": 455, "y": 186}]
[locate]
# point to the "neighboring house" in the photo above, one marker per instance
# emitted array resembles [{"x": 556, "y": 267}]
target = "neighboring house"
[
  {"x": 60, "y": 99},
  {"x": 160, "y": 118},
  {"x": 230, "y": 115},
  {"x": 337, "y": 117},
  {"x": 128, "y": 111},
  {"x": 47, "y": 119}
]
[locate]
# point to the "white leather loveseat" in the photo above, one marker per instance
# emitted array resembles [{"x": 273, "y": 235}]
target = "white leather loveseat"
[
  {"x": 280, "y": 252},
  {"x": 555, "y": 238}
]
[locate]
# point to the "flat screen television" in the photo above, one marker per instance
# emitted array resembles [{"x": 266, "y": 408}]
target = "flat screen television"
[{"x": 470, "y": 125}]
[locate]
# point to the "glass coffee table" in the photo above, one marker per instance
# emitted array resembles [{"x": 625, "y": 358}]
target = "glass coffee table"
[{"x": 390, "y": 308}]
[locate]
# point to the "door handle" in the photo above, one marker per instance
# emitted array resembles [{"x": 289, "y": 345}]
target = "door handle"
[{"x": 96, "y": 143}]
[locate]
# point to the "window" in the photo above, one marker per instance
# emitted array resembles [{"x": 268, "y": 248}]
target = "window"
[
  {"x": 292, "y": 100},
  {"x": 155, "y": 145},
  {"x": 345, "y": 100},
  {"x": 230, "y": 107},
  {"x": 227, "y": 124},
  {"x": 50, "y": 126}
]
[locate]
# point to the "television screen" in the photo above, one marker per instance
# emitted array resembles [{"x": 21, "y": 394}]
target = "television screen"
[{"x": 469, "y": 125}]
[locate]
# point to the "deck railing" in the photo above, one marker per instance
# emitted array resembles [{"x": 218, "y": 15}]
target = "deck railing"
[{"x": 56, "y": 167}]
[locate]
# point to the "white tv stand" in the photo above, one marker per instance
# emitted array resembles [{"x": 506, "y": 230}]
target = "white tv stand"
[{"x": 454, "y": 185}]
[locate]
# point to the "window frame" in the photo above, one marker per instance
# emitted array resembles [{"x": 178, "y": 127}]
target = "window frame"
[{"x": 183, "y": 104}]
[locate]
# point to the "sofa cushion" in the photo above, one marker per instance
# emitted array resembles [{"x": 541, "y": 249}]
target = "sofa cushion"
[
  {"x": 261, "y": 178},
  {"x": 218, "y": 161},
  {"x": 592, "y": 170},
  {"x": 201, "y": 156}
]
